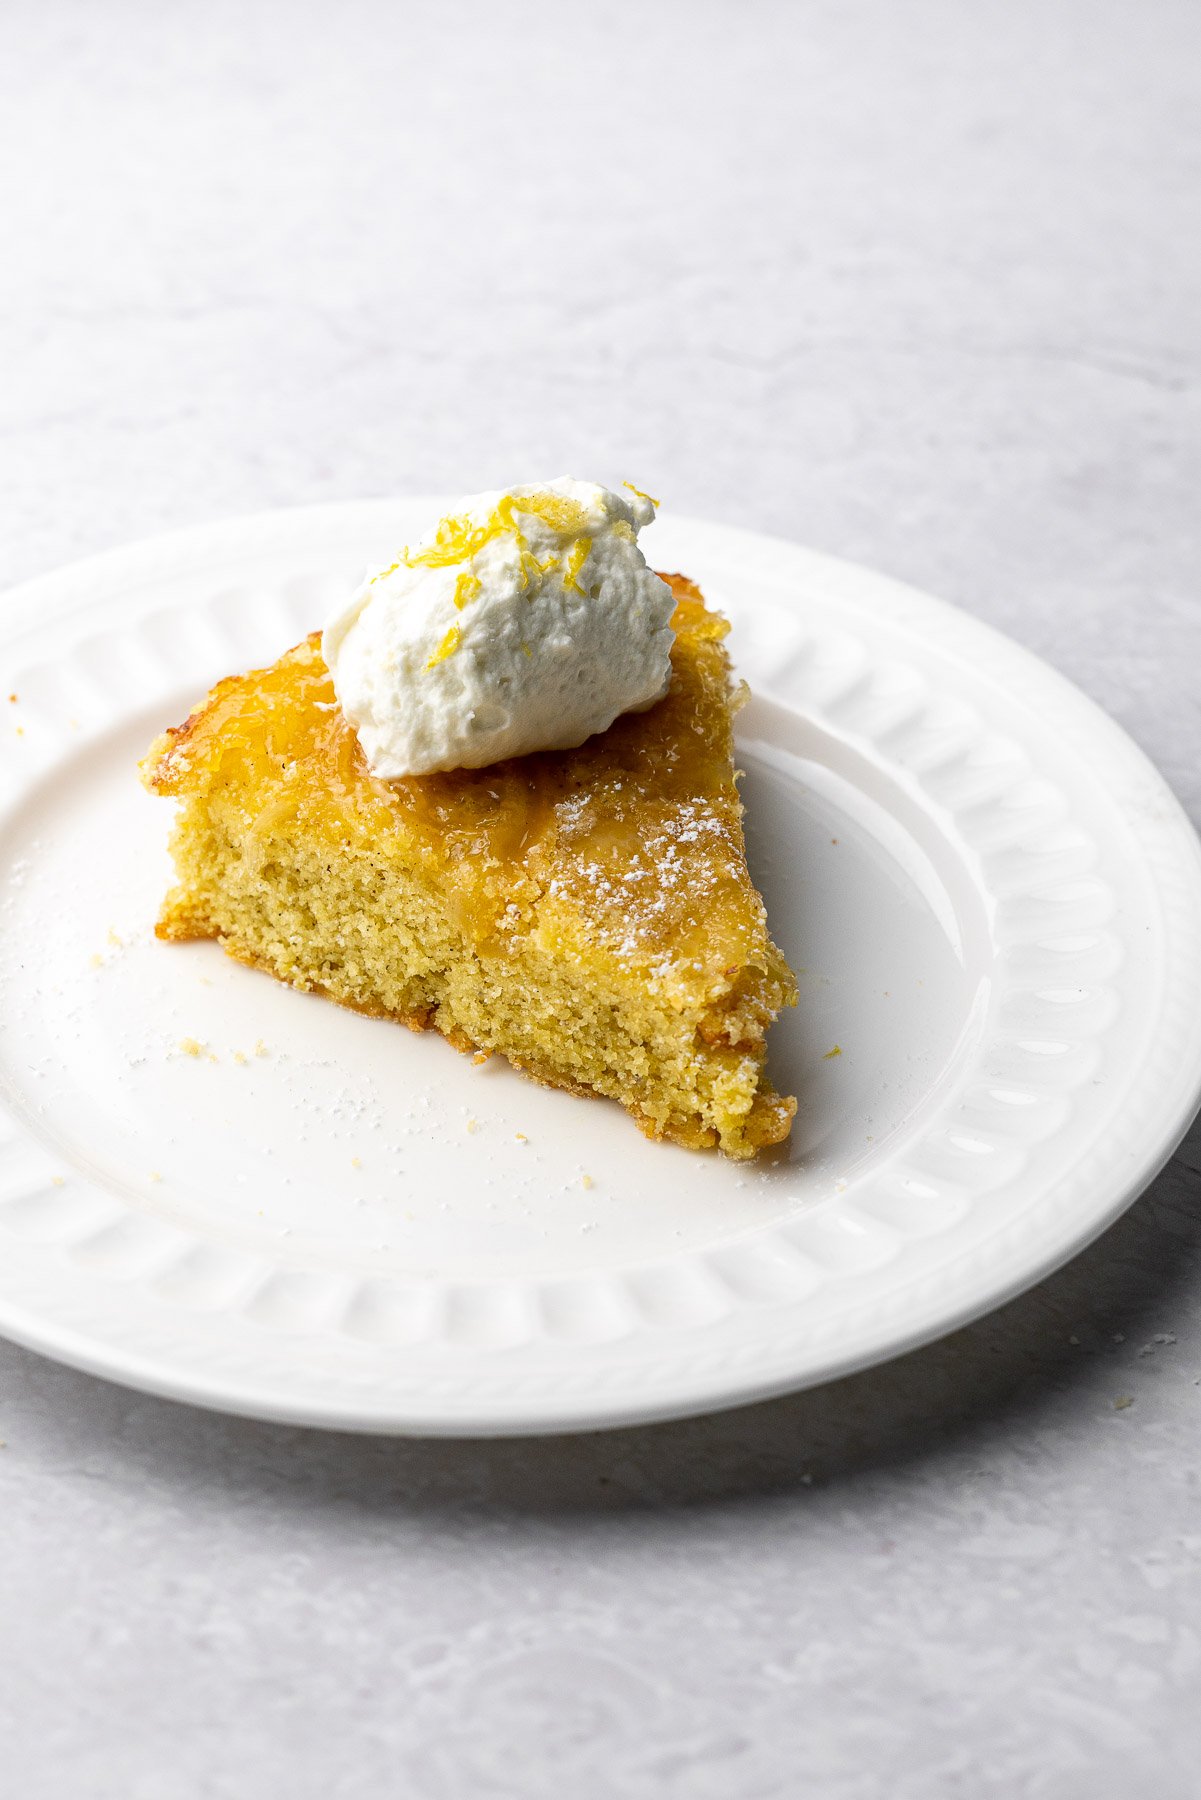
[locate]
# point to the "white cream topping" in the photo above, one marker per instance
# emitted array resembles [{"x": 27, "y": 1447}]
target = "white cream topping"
[{"x": 526, "y": 620}]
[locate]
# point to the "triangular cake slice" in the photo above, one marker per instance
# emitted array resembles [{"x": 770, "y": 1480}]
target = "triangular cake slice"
[{"x": 586, "y": 913}]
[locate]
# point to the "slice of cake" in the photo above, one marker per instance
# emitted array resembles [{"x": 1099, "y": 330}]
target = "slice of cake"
[{"x": 586, "y": 913}]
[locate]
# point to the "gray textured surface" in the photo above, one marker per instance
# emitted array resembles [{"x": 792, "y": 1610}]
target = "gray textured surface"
[{"x": 916, "y": 284}]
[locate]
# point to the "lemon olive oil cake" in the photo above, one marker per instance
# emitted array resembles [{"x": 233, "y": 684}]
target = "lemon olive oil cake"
[{"x": 586, "y": 913}]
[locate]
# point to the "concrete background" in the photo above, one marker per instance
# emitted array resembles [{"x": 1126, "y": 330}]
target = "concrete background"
[{"x": 917, "y": 284}]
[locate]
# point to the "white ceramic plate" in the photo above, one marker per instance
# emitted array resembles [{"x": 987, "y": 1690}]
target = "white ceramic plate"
[{"x": 991, "y": 897}]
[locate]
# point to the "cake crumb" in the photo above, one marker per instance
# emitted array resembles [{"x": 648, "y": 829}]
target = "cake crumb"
[
  {"x": 260, "y": 1049},
  {"x": 20, "y": 731},
  {"x": 837, "y": 1051},
  {"x": 587, "y": 1181},
  {"x": 13, "y": 699},
  {"x": 240, "y": 1057},
  {"x": 191, "y": 1046},
  {"x": 114, "y": 939},
  {"x": 356, "y": 1162},
  {"x": 473, "y": 1125},
  {"x": 155, "y": 1175},
  {"x": 481, "y": 1057},
  {"x": 58, "y": 1181},
  {"x": 521, "y": 1137},
  {"x": 1122, "y": 1402},
  {"x": 95, "y": 961}
]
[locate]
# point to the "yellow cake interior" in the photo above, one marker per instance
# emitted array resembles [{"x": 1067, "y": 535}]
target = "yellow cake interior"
[{"x": 586, "y": 913}]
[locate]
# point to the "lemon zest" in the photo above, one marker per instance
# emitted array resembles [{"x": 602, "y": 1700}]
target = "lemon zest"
[
  {"x": 640, "y": 494},
  {"x": 456, "y": 540},
  {"x": 467, "y": 586},
  {"x": 580, "y": 552},
  {"x": 556, "y": 510},
  {"x": 532, "y": 570},
  {"x": 447, "y": 647}
]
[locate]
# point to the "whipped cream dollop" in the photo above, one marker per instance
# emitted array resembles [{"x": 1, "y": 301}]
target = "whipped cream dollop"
[{"x": 526, "y": 620}]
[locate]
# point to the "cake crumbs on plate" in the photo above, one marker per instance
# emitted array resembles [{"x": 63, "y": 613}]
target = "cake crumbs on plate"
[{"x": 191, "y": 1046}]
